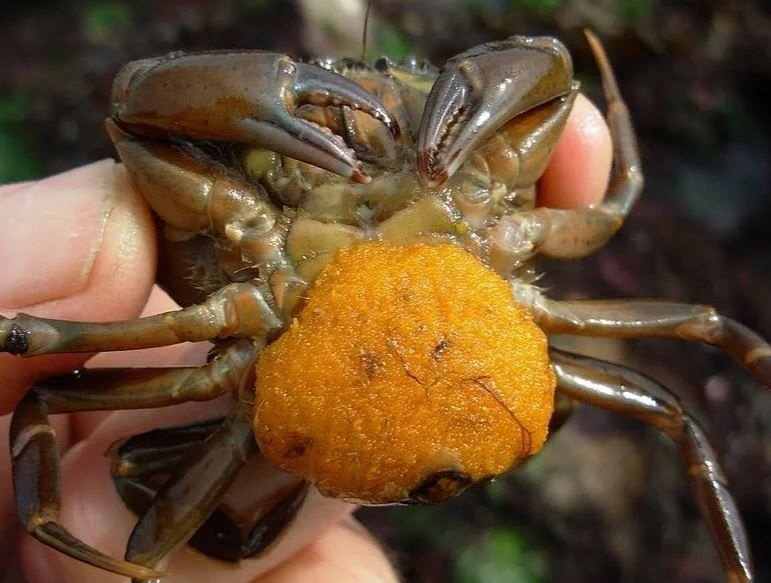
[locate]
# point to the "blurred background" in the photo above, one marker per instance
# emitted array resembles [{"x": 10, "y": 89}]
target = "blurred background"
[{"x": 607, "y": 500}]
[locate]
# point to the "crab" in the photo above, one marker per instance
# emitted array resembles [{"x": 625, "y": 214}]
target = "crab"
[{"x": 357, "y": 242}]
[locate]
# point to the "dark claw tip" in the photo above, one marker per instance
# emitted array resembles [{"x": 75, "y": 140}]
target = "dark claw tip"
[
  {"x": 17, "y": 341},
  {"x": 431, "y": 172},
  {"x": 358, "y": 175}
]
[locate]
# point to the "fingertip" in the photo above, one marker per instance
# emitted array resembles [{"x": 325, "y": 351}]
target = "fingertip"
[
  {"x": 346, "y": 552},
  {"x": 580, "y": 166},
  {"x": 118, "y": 260}
]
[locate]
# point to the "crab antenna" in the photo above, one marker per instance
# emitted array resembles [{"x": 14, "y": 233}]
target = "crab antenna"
[{"x": 364, "y": 33}]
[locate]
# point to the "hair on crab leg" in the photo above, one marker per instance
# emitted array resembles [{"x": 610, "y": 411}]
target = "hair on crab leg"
[{"x": 617, "y": 388}]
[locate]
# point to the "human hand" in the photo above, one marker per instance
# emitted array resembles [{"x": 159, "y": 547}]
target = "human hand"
[{"x": 81, "y": 246}]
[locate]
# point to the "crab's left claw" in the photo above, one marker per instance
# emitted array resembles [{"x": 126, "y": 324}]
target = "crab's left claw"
[
  {"x": 481, "y": 89},
  {"x": 247, "y": 97}
]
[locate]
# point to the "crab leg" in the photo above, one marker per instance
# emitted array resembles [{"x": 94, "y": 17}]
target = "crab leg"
[
  {"x": 645, "y": 319},
  {"x": 226, "y": 535},
  {"x": 35, "y": 455},
  {"x": 575, "y": 233},
  {"x": 626, "y": 183},
  {"x": 100, "y": 389},
  {"x": 159, "y": 450},
  {"x": 36, "y": 479},
  {"x": 190, "y": 496},
  {"x": 237, "y": 310},
  {"x": 247, "y": 97},
  {"x": 624, "y": 391}
]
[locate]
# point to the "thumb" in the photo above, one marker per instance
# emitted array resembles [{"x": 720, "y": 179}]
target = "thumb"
[{"x": 79, "y": 245}]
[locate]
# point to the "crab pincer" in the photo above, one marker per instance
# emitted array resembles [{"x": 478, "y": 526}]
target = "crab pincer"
[
  {"x": 247, "y": 97},
  {"x": 481, "y": 89}
]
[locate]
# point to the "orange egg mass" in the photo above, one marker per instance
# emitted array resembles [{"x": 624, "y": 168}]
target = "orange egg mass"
[{"x": 409, "y": 373}]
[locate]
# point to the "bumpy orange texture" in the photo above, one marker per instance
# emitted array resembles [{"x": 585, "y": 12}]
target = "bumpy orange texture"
[{"x": 405, "y": 361}]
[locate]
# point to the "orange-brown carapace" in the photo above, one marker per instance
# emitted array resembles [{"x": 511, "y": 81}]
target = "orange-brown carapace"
[{"x": 409, "y": 374}]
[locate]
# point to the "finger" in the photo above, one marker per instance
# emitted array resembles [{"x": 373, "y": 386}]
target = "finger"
[
  {"x": 346, "y": 552},
  {"x": 79, "y": 245},
  {"x": 580, "y": 167},
  {"x": 92, "y": 510}
]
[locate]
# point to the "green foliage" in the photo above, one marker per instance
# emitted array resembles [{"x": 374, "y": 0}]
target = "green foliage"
[
  {"x": 632, "y": 11},
  {"x": 17, "y": 159},
  {"x": 258, "y": 6},
  {"x": 392, "y": 42},
  {"x": 501, "y": 556},
  {"x": 103, "y": 22},
  {"x": 425, "y": 524}
]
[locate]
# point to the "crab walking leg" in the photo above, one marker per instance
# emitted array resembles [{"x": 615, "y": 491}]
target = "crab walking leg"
[
  {"x": 237, "y": 310},
  {"x": 570, "y": 234},
  {"x": 159, "y": 450},
  {"x": 35, "y": 456},
  {"x": 624, "y": 391},
  {"x": 626, "y": 183},
  {"x": 36, "y": 480},
  {"x": 105, "y": 389},
  {"x": 190, "y": 496},
  {"x": 645, "y": 319},
  {"x": 225, "y": 535}
]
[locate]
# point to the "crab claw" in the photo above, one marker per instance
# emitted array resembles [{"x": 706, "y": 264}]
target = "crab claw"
[
  {"x": 481, "y": 89},
  {"x": 247, "y": 97}
]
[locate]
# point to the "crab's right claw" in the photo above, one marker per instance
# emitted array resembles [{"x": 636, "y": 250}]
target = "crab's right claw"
[
  {"x": 481, "y": 89},
  {"x": 248, "y": 97}
]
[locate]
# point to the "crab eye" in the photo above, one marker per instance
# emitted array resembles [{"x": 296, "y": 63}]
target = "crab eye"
[{"x": 440, "y": 486}]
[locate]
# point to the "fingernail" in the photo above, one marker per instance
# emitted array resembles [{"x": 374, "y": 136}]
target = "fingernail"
[{"x": 51, "y": 232}]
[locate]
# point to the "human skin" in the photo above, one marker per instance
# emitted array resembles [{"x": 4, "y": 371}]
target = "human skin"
[{"x": 81, "y": 246}]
